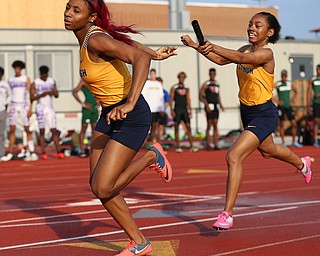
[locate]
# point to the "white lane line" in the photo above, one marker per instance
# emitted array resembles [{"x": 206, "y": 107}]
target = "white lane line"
[
  {"x": 143, "y": 228},
  {"x": 71, "y": 205},
  {"x": 267, "y": 245},
  {"x": 291, "y": 203},
  {"x": 74, "y": 215},
  {"x": 166, "y": 236},
  {"x": 103, "y": 211},
  {"x": 189, "y": 195},
  {"x": 55, "y": 222}
]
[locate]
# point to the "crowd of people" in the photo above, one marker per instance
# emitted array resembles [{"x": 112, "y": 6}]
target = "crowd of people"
[{"x": 168, "y": 109}]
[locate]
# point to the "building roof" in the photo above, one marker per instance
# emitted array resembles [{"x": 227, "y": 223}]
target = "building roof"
[{"x": 216, "y": 19}]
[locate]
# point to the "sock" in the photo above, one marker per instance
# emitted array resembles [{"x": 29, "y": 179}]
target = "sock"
[
  {"x": 303, "y": 170},
  {"x": 31, "y": 146}
]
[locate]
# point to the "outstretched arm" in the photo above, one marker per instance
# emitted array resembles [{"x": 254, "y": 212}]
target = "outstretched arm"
[
  {"x": 186, "y": 40},
  {"x": 222, "y": 56},
  {"x": 161, "y": 53},
  {"x": 75, "y": 94}
]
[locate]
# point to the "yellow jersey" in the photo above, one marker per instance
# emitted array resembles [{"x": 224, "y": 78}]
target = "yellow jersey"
[
  {"x": 109, "y": 81},
  {"x": 255, "y": 84}
]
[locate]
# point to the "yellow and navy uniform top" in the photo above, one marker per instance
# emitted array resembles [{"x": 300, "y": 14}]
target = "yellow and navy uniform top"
[
  {"x": 255, "y": 84},
  {"x": 108, "y": 81}
]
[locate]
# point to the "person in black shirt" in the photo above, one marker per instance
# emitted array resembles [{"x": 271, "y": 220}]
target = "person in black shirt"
[
  {"x": 210, "y": 96},
  {"x": 180, "y": 95}
]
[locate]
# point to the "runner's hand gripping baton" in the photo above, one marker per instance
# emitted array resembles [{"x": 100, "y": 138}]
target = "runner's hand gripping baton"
[{"x": 198, "y": 32}]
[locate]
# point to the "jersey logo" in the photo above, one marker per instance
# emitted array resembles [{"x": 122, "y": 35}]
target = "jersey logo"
[
  {"x": 182, "y": 92},
  {"x": 245, "y": 69},
  {"x": 83, "y": 72}
]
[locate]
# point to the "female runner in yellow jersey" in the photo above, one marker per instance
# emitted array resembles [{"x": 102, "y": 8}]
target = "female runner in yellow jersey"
[
  {"x": 125, "y": 119},
  {"x": 255, "y": 72}
]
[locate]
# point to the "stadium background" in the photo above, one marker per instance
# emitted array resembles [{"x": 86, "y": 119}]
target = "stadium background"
[{"x": 33, "y": 31}]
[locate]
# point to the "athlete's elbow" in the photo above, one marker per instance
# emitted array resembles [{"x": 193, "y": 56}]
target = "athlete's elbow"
[{"x": 146, "y": 58}]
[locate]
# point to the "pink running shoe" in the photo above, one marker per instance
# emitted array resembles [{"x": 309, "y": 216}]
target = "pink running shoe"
[
  {"x": 224, "y": 221},
  {"x": 136, "y": 249},
  {"x": 306, "y": 170},
  {"x": 162, "y": 165}
]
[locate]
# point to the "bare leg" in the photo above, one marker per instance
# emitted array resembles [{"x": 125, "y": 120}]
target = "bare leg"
[
  {"x": 29, "y": 139},
  {"x": 176, "y": 135},
  {"x": 209, "y": 124},
  {"x": 55, "y": 139},
  {"x": 118, "y": 209},
  {"x": 12, "y": 137},
  {"x": 112, "y": 169},
  {"x": 42, "y": 141},
  {"x": 269, "y": 149},
  {"x": 154, "y": 132},
  {"x": 81, "y": 136},
  {"x": 215, "y": 132},
  {"x": 282, "y": 131},
  {"x": 294, "y": 130},
  {"x": 188, "y": 127},
  {"x": 240, "y": 150}
]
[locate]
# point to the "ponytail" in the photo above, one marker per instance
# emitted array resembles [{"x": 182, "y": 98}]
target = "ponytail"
[{"x": 104, "y": 21}]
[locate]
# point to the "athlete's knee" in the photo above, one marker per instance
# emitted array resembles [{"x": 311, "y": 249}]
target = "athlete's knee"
[
  {"x": 232, "y": 157},
  {"x": 101, "y": 191}
]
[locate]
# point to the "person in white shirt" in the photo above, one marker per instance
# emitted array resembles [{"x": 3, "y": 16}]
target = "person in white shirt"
[
  {"x": 20, "y": 107},
  {"x": 153, "y": 94},
  {"x": 5, "y": 95},
  {"x": 42, "y": 90}
]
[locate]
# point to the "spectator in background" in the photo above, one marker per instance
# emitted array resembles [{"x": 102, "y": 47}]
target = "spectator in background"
[
  {"x": 20, "y": 107},
  {"x": 42, "y": 90},
  {"x": 153, "y": 94},
  {"x": 5, "y": 95},
  {"x": 90, "y": 113},
  {"x": 284, "y": 99},
  {"x": 314, "y": 90},
  {"x": 180, "y": 98},
  {"x": 164, "y": 115},
  {"x": 210, "y": 96}
]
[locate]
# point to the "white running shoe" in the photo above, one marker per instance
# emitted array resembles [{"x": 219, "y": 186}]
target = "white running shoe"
[
  {"x": 22, "y": 153},
  {"x": 32, "y": 157},
  {"x": 6, "y": 158},
  {"x": 179, "y": 150},
  {"x": 193, "y": 149}
]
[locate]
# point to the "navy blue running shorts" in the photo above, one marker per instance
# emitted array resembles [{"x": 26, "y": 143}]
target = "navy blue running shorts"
[
  {"x": 131, "y": 131},
  {"x": 261, "y": 119}
]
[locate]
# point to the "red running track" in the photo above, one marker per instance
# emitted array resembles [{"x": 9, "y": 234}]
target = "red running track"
[{"x": 47, "y": 209}]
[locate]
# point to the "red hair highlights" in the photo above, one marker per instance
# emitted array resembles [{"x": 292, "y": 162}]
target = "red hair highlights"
[{"x": 104, "y": 21}]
